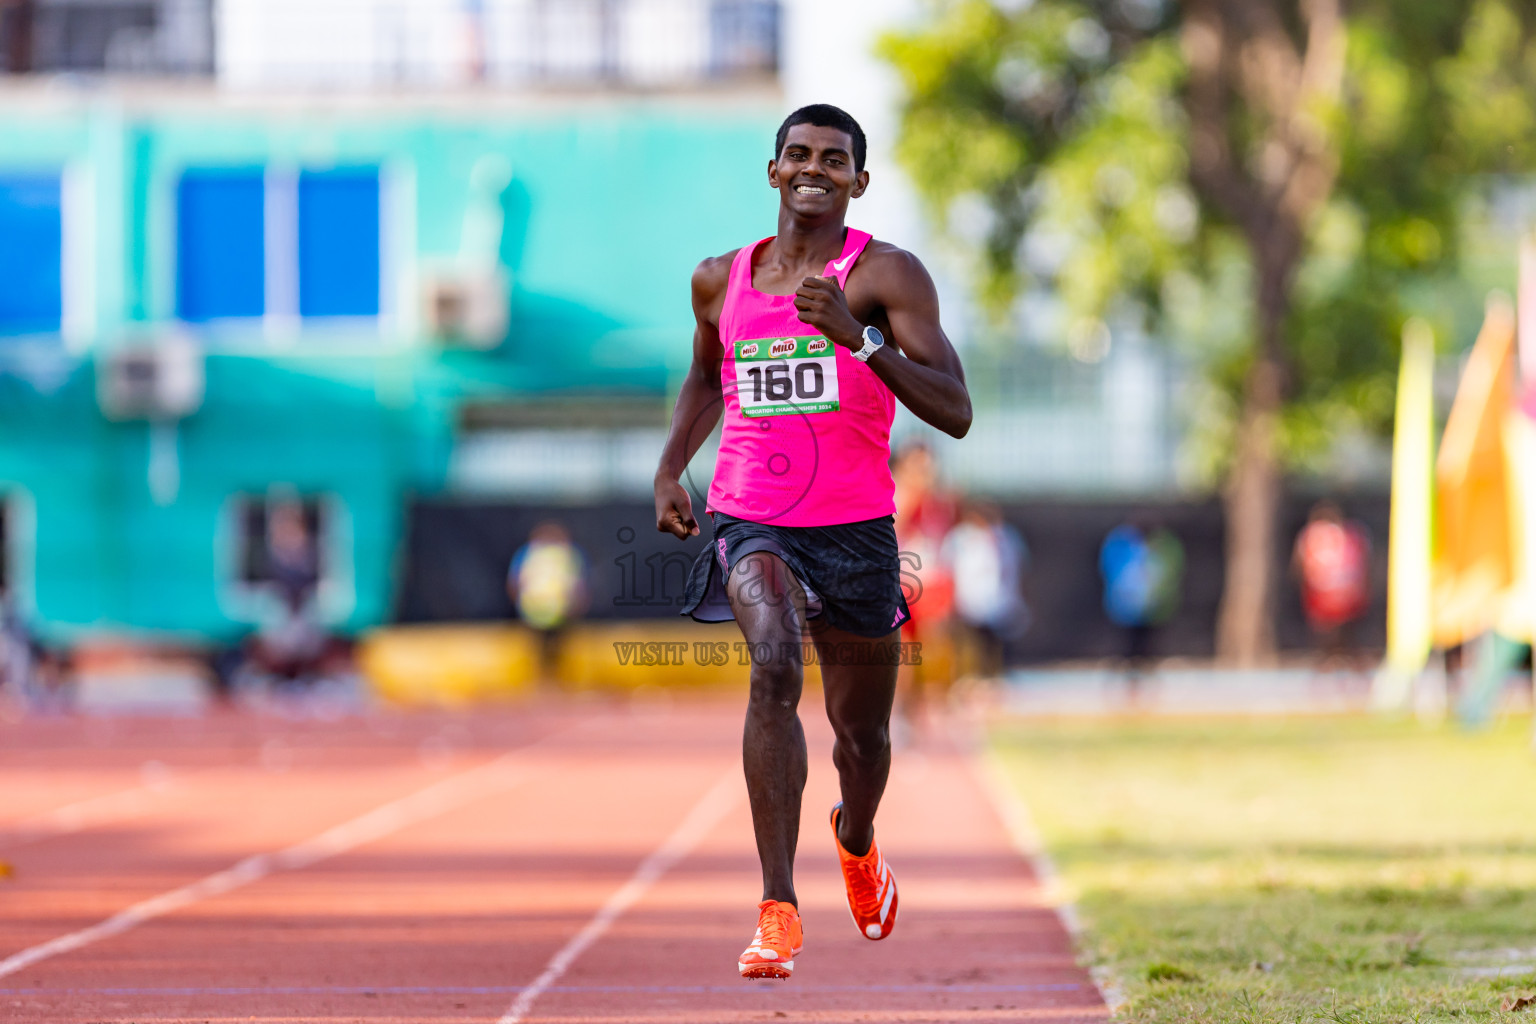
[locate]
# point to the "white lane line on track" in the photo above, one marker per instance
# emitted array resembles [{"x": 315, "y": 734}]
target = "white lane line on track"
[
  {"x": 1025, "y": 837},
  {"x": 712, "y": 806},
  {"x": 436, "y": 799},
  {"x": 96, "y": 810}
]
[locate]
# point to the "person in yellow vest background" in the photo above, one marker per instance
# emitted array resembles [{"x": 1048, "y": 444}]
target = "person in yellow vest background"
[{"x": 547, "y": 582}]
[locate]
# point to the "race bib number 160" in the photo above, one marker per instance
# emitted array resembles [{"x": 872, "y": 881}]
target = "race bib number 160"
[{"x": 779, "y": 376}]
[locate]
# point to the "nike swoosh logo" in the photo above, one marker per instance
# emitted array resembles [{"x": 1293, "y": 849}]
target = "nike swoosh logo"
[{"x": 842, "y": 264}]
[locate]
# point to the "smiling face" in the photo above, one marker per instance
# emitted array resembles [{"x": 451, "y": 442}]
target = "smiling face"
[{"x": 814, "y": 172}]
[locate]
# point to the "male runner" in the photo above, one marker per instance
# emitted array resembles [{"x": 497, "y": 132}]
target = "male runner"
[{"x": 805, "y": 341}]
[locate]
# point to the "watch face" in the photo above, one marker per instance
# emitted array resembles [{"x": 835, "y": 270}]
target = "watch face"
[{"x": 873, "y": 336}]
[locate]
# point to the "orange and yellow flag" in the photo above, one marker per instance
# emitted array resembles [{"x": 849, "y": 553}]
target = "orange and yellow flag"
[{"x": 1474, "y": 565}]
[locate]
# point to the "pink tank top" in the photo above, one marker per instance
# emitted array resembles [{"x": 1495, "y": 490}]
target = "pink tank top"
[{"x": 807, "y": 428}]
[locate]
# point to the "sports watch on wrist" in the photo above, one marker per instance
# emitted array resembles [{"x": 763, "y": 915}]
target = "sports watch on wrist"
[{"x": 874, "y": 341}]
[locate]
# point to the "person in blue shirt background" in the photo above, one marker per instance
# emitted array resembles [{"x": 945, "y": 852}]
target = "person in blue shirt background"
[{"x": 1142, "y": 564}]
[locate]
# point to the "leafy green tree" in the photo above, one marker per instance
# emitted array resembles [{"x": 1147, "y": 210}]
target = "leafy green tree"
[{"x": 1131, "y": 154}]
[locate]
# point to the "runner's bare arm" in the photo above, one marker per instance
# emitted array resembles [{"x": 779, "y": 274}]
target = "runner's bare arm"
[
  {"x": 698, "y": 402},
  {"x": 921, "y": 369}
]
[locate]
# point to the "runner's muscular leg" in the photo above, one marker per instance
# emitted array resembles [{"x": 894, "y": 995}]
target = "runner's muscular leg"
[
  {"x": 859, "y": 692},
  {"x": 769, "y": 605}
]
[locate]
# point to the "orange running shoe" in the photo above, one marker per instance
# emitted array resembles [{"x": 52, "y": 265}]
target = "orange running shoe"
[
  {"x": 777, "y": 942},
  {"x": 871, "y": 886}
]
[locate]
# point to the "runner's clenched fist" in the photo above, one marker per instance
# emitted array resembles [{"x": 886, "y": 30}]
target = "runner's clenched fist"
[
  {"x": 674, "y": 510},
  {"x": 822, "y": 304}
]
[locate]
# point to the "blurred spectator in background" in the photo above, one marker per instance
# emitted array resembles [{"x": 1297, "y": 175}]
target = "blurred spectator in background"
[
  {"x": 925, "y": 512},
  {"x": 547, "y": 582},
  {"x": 986, "y": 557},
  {"x": 1142, "y": 564},
  {"x": 1332, "y": 562},
  {"x": 15, "y": 654},
  {"x": 292, "y": 648},
  {"x": 292, "y": 556},
  {"x": 31, "y": 675}
]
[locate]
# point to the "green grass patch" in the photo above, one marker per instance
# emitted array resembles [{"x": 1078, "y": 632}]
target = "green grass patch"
[{"x": 1344, "y": 870}]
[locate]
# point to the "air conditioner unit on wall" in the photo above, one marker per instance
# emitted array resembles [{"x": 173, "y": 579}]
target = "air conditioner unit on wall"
[
  {"x": 466, "y": 308},
  {"x": 157, "y": 380}
]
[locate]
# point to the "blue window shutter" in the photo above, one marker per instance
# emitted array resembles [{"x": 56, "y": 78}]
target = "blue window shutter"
[
  {"x": 31, "y": 253},
  {"x": 339, "y": 242},
  {"x": 220, "y": 245}
]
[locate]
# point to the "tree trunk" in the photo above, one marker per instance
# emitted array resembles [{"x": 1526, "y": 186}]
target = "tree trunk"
[
  {"x": 1248, "y": 80},
  {"x": 1245, "y": 635},
  {"x": 16, "y": 35},
  {"x": 1244, "y": 627}
]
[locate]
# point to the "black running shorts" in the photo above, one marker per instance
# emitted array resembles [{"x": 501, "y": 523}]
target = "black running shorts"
[{"x": 851, "y": 572}]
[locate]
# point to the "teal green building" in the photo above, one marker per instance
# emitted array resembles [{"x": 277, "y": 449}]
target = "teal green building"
[{"x": 298, "y": 252}]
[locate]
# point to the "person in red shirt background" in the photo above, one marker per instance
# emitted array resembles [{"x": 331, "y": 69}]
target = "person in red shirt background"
[
  {"x": 925, "y": 513},
  {"x": 1332, "y": 562}
]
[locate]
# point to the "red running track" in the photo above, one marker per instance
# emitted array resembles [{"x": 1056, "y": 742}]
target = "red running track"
[{"x": 565, "y": 863}]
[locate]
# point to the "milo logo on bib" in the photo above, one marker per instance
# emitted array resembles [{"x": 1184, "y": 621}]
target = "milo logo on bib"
[{"x": 780, "y": 376}]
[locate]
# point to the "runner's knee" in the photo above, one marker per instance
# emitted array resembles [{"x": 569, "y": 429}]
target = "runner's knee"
[
  {"x": 865, "y": 744},
  {"x": 776, "y": 686}
]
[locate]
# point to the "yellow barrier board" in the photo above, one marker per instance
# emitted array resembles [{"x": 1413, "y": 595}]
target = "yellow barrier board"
[{"x": 462, "y": 664}]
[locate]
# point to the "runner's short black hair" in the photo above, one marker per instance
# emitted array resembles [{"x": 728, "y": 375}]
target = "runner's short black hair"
[{"x": 825, "y": 115}]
